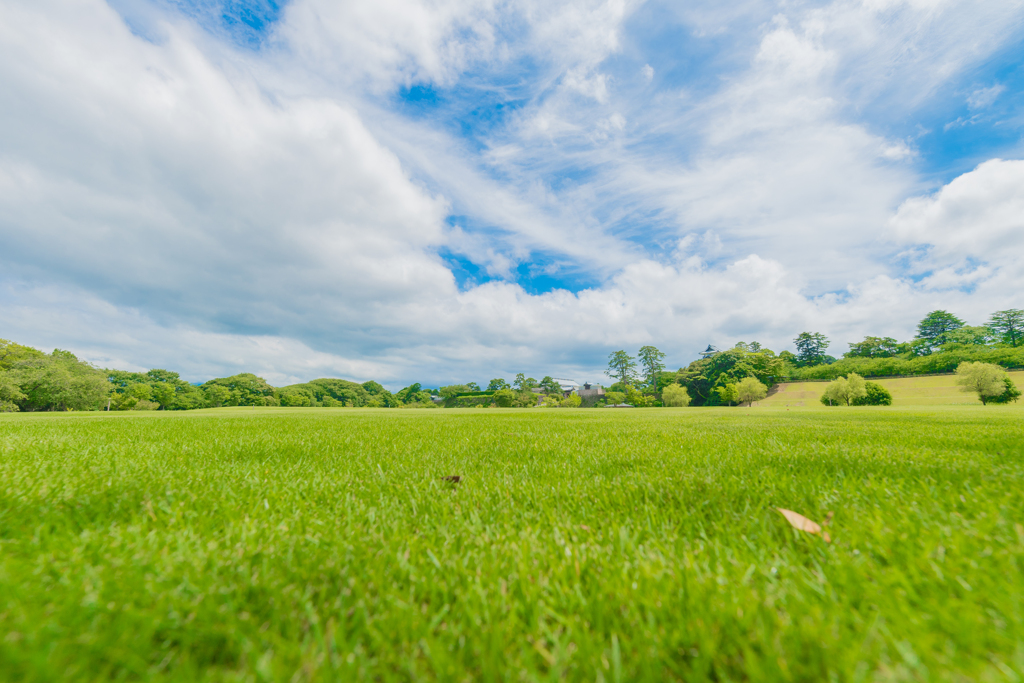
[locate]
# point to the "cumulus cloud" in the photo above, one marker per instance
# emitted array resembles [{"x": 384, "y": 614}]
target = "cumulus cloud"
[{"x": 171, "y": 200}]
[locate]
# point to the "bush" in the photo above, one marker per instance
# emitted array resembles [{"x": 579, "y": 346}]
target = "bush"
[
  {"x": 875, "y": 395},
  {"x": 614, "y": 397},
  {"x": 675, "y": 396},
  {"x": 1010, "y": 394},
  {"x": 503, "y": 398}
]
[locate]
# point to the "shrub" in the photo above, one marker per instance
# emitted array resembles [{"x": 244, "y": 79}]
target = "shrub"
[
  {"x": 875, "y": 395},
  {"x": 1010, "y": 393},
  {"x": 615, "y": 397},
  {"x": 675, "y": 396},
  {"x": 844, "y": 390},
  {"x": 503, "y": 398}
]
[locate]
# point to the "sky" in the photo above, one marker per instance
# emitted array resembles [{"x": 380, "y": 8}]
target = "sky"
[{"x": 445, "y": 191}]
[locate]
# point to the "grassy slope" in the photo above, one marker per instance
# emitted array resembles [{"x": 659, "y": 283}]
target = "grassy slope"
[
  {"x": 906, "y": 391},
  {"x": 586, "y": 545}
]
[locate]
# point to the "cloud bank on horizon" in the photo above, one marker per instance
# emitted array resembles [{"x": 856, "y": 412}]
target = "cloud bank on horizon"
[{"x": 453, "y": 190}]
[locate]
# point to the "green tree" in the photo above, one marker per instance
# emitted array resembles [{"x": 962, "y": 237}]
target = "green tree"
[
  {"x": 496, "y": 384},
  {"x": 572, "y": 401},
  {"x": 875, "y": 347},
  {"x": 984, "y": 379},
  {"x": 845, "y": 390},
  {"x": 970, "y": 336},
  {"x": 504, "y": 397},
  {"x": 749, "y": 389},
  {"x": 59, "y": 381},
  {"x": 615, "y": 398},
  {"x": 519, "y": 381},
  {"x": 245, "y": 389},
  {"x": 810, "y": 348},
  {"x": 651, "y": 361},
  {"x": 216, "y": 395},
  {"x": 473, "y": 386},
  {"x": 549, "y": 386},
  {"x": 1008, "y": 325},
  {"x": 638, "y": 400},
  {"x": 935, "y": 327},
  {"x": 727, "y": 393},
  {"x": 11, "y": 354},
  {"x": 10, "y": 394},
  {"x": 675, "y": 396},
  {"x": 622, "y": 367}
]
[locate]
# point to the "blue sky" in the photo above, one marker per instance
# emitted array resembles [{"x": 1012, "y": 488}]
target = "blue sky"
[{"x": 462, "y": 189}]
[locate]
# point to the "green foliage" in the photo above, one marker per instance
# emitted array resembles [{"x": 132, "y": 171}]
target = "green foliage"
[
  {"x": 984, "y": 379},
  {"x": 810, "y": 348},
  {"x": 496, "y": 384},
  {"x": 749, "y": 390},
  {"x": 727, "y": 393},
  {"x": 650, "y": 359},
  {"x": 11, "y": 354},
  {"x": 675, "y": 396},
  {"x": 244, "y": 389},
  {"x": 942, "y": 361},
  {"x": 934, "y": 330},
  {"x": 503, "y": 398},
  {"x": 638, "y": 400},
  {"x": 1008, "y": 325},
  {"x": 1010, "y": 393},
  {"x": 549, "y": 386},
  {"x": 10, "y": 394},
  {"x": 874, "y": 395},
  {"x": 845, "y": 390},
  {"x": 969, "y": 336},
  {"x": 58, "y": 381},
  {"x": 707, "y": 379},
  {"x": 876, "y": 347},
  {"x": 615, "y": 397},
  {"x": 622, "y": 368}
]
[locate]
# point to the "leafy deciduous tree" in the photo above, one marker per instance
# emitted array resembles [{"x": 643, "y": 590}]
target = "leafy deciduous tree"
[
  {"x": 675, "y": 396},
  {"x": 984, "y": 379},
  {"x": 749, "y": 389}
]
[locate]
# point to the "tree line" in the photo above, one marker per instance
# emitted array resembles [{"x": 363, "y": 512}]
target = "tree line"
[
  {"x": 31, "y": 380},
  {"x": 745, "y": 373}
]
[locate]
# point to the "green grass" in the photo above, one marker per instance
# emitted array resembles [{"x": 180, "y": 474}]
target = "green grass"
[
  {"x": 906, "y": 391},
  {"x": 580, "y": 545}
]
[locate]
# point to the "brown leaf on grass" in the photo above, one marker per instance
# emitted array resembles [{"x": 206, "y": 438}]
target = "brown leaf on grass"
[
  {"x": 800, "y": 522},
  {"x": 455, "y": 479}
]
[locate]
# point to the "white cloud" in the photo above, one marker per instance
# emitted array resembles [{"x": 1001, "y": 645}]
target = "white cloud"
[
  {"x": 980, "y": 214},
  {"x": 180, "y": 203}
]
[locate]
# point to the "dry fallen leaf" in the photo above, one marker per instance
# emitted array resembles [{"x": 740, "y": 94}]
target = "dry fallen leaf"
[
  {"x": 800, "y": 522},
  {"x": 455, "y": 479}
]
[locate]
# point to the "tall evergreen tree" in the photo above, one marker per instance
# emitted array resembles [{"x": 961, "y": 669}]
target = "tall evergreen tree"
[{"x": 1008, "y": 325}]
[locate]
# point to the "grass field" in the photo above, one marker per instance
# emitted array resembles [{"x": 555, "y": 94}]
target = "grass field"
[
  {"x": 582, "y": 545},
  {"x": 906, "y": 391}
]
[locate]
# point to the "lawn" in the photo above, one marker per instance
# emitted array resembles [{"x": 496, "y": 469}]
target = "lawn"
[
  {"x": 927, "y": 390},
  {"x": 629, "y": 545}
]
